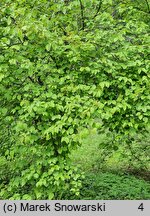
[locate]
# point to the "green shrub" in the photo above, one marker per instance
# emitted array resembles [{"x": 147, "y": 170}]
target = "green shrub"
[{"x": 59, "y": 70}]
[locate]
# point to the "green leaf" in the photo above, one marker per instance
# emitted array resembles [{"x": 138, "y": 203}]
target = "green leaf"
[
  {"x": 1, "y": 76},
  {"x": 50, "y": 195}
]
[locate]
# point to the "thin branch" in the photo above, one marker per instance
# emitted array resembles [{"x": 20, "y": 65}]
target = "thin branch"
[
  {"x": 32, "y": 80},
  {"x": 10, "y": 45},
  {"x": 66, "y": 2},
  {"x": 147, "y": 12},
  {"x": 82, "y": 15},
  {"x": 98, "y": 9},
  {"x": 40, "y": 82},
  {"x": 148, "y": 7},
  {"x": 54, "y": 60},
  {"x": 64, "y": 31}
]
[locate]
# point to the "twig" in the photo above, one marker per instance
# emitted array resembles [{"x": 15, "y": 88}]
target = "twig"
[
  {"x": 147, "y": 12},
  {"x": 82, "y": 15},
  {"x": 148, "y": 7},
  {"x": 98, "y": 9}
]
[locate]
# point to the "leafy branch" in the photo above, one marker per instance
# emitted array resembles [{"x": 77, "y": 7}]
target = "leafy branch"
[
  {"x": 147, "y": 12},
  {"x": 82, "y": 15},
  {"x": 98, "y": 8},
  {"x": 148, "y": 7}
]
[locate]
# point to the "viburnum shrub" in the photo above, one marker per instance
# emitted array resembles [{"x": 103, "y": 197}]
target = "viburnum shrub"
[{"x": 62, "y": 64}]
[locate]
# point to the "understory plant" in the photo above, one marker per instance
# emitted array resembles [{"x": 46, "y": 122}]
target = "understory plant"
[{"x": 62, "y": 64}]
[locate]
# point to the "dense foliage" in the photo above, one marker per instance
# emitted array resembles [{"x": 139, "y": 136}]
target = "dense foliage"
[
  {"x": 109, "y": 186},
  {"x": 63, "y": 64}
]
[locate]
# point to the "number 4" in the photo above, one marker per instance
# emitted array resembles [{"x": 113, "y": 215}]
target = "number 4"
[{"x": 141, "y": 207}]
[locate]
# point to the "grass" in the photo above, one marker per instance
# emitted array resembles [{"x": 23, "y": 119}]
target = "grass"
[
  {"x": 110, "y": 186},
  {"x": 88, "y": 153},
  {"x": 93, "y": 154},
  {"x": 109, "y": 176}
]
